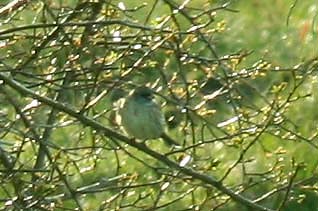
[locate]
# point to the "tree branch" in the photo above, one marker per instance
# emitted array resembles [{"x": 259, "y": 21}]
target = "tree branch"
[
  {"x": 13, "y": 5},
  {"x": 140, "y": 146}
]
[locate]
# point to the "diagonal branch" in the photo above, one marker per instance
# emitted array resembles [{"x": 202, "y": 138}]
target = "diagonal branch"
[
  {"x": 12, "y": 6},
  {"x": 140, "y": 146}
]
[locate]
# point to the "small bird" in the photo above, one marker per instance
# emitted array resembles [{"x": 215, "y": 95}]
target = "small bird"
[{"x": 141, "y": 117}]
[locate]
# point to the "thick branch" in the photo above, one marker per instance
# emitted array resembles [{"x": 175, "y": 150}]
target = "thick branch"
[{"x": 140, "y": 146}]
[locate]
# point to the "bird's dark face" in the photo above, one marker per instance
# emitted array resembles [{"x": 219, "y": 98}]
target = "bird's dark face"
[{"x": 143, "y": 92}]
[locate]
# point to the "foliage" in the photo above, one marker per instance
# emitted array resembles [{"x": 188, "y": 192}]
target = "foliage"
[{"x": 239, "y": 100}]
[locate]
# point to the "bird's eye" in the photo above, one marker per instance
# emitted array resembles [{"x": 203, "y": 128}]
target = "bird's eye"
[{"x": 147, "y": 95}]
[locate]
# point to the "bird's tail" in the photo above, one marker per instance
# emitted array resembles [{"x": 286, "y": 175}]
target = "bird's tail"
[{"x": 169, "y": 140}]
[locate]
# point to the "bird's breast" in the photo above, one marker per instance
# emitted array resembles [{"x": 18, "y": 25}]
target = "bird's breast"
[{"x": 143, "y": 120}]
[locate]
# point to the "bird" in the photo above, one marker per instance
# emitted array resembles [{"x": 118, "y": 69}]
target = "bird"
[{"x": 141, "y": 117}]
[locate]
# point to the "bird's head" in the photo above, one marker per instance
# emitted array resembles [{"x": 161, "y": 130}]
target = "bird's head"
[{"x": 144, "y": 92}]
